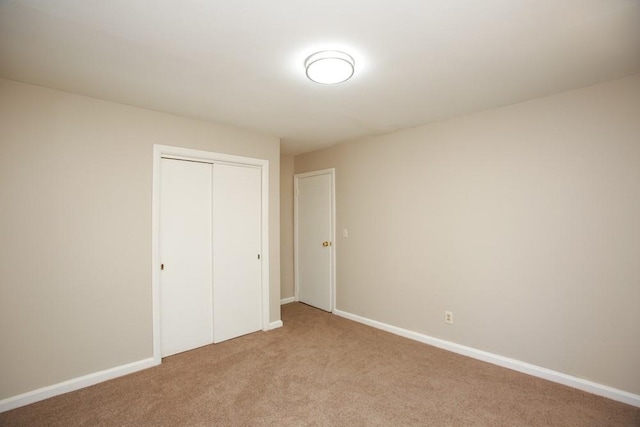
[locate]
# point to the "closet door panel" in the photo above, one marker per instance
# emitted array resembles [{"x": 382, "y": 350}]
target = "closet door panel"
[
  {"x": 237, "y": 262},
  {"x": 186, "y": 254}
]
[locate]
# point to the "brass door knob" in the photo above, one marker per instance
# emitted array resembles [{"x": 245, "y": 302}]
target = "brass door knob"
[{"x": 325, "y": 244}]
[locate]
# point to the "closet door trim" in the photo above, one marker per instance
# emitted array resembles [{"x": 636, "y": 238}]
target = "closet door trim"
[{"x": 179, "y": 153}]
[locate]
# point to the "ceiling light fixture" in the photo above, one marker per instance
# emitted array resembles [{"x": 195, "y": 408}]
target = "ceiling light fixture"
[{"x": 329, "y": 67}]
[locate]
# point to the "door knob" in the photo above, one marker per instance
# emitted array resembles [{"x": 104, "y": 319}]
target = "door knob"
[{"x": 325, "y": 244}]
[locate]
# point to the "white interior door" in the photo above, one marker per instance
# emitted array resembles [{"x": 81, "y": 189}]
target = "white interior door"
[
  {"x": 185, "y": 253},
  {"x": 237, "y": 264},
  {"x": 314, "y": 233}
]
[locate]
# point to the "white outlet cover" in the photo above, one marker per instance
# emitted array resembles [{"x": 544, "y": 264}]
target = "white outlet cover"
[{"x": 448, "y": 317}]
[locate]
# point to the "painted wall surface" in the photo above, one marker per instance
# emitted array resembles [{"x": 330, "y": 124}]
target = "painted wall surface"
[
  {"x": 75, "y": 260},
  {"x": 523, "y": 220},
  {"x": 286, "y": 226}
]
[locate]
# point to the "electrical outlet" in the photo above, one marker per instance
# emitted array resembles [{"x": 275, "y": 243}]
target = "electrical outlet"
[{"x": 448, "y": 317}]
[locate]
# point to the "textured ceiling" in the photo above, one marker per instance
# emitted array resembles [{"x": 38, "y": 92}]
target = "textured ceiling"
[{"x": 240, "y": 62}]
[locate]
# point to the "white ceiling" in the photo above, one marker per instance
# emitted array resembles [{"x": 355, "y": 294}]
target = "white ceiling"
[{"x": 240, "y": 62}]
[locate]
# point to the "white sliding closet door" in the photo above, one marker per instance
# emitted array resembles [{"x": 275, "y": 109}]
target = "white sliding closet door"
[
  {"x": 237, "y": 267},
  {"x": 210, "y": 243},
  {"x": 186, "y": 255}
]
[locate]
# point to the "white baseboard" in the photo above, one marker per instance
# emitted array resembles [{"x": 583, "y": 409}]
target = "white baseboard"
[
  {"x": 275, "y": 325},
  {"x": 74, "y": 384},
  {"x": 85, "y": 381},
  {"x": 284, "y": 301},
  {"x": 506, "y": 362}
]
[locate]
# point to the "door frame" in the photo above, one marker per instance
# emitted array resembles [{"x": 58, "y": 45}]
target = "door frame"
[
  {"x": 180, "y": 153},
  {"x": 332, "y": 258}
]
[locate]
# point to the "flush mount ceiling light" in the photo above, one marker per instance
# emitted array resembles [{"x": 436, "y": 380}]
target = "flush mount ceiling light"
[{"x": 329, "y": 67}]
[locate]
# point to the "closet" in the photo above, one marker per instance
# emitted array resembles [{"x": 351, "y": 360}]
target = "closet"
[{"x": 210, "y": 230}]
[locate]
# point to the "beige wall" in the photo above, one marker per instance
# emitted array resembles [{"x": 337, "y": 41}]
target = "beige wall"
[
  {"x": 286, "y": 226},
  {"x": 75, "y": 260},
  {"x": 524, "y": 221}
]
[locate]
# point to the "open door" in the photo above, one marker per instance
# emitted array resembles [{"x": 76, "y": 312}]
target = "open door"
[{"x": 314, "y": 238}]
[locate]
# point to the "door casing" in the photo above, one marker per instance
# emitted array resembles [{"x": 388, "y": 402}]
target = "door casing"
[{"x": 166, "y": 151}]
